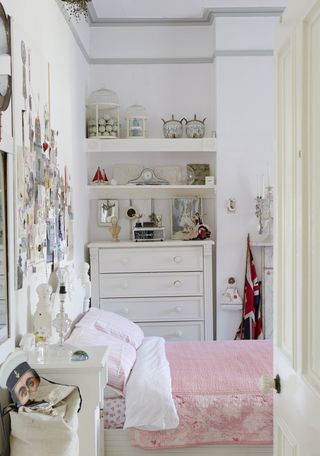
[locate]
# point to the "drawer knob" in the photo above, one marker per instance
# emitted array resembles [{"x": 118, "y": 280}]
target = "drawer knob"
[
  {"x": 178, "y": 308},
  {"x": 125, "y": 260},
  {"x": 178, "y": 333},
  {"x": 177, "y": 259},
  {"x": 125, "y": 285},
  {"x": 125, "y": 310},
  {"x": 177, "y": 283}
]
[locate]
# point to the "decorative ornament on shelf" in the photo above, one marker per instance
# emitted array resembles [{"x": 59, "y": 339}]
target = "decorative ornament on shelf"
[
  {"x": 102, "y": 113},
  {"x": 115, "y": 229},
  {"x": 195, "y": 128},
  {"x": 231, "y": 294},
  {"x": 136, "y": 120},
  {"x": 172, "y": 128},
  {"x": 100, "y": 177},
  {"x": 198, "y": 230},
  {"x": 148, "y": 177},
  {"x": 77, "y": 8}
]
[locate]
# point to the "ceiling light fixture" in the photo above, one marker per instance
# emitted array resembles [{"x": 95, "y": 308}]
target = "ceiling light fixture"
[{"x": 77, "y": 8}]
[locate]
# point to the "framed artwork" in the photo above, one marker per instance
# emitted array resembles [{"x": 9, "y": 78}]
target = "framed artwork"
[
  {"x": 200, "y": 171},
  {"x": 182, "y": 212},
  {"x": 107, "y": 209}
]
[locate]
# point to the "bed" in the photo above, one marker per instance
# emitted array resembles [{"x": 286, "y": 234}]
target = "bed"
[{"x": 205, "y": 396}]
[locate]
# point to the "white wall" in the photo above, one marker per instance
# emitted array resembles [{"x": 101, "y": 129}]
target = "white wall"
[
  {"x": 245, "y": 105},
  {"x": 163, "y": 89},
  {"x": 45, "y": 31}
]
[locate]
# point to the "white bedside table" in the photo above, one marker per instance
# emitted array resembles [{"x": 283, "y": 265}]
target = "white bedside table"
[{"x": 90, "y": 376}]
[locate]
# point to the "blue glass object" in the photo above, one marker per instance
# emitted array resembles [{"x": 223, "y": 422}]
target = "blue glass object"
[{"x": 79, "y": 355}]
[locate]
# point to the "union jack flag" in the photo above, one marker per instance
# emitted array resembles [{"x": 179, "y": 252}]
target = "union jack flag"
[{"x": 251, "y": 324}]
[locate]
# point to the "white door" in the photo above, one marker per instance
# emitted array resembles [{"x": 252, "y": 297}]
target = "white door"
[{"x": 297, "y": 258}]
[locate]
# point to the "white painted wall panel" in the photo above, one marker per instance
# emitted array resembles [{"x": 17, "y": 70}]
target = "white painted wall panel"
[
  {"x": 151, "y": 42},
  {"x": 245, "y": 148},
  {"x": 163, "y": 89},
  {"x": 245, "y": 33}
]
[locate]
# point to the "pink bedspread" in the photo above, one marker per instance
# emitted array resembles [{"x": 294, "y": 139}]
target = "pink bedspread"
[{"x": 216, "y": 390}]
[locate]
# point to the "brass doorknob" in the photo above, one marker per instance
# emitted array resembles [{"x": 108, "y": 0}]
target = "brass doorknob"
[{"x": 267, "y": 384}]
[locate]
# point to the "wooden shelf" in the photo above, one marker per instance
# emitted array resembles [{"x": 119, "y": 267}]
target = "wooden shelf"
[
  {"x": 150, "y": 145},
  {"x": 150, "y": 191}
]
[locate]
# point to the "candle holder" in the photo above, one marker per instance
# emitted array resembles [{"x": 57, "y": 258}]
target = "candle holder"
[
  {"x": 264, "y": 214},
  {"x": 62, "y": 322}
]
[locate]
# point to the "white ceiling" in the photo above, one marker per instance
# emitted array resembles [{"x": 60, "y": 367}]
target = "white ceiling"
[{"x": 161, "y": 10}]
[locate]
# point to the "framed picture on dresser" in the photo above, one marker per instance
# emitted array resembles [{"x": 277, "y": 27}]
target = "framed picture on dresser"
[{"x": 182, "y": 211}]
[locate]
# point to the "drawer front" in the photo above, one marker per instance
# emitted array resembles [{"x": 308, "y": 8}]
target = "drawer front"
[
  {"x": 160, "y": 309},
  {"x": 152, "y": 284},
  {"x": 151, "y": 259},
  {"x": 175, "y": 331}
]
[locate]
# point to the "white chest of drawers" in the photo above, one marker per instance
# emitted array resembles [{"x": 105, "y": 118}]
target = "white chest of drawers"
[{"x": 165, "y": 287}]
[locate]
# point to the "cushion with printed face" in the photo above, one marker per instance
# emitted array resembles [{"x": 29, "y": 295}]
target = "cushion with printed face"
[
  {"x": 113, "y": 324},
  {"x": 121, "y": 356}
]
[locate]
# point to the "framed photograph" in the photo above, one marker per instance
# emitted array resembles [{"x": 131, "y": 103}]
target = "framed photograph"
[
  {"x": 106, "y": 210},
  {"x": 201, "y": 171},
  {"x": 181, "y": 216}
]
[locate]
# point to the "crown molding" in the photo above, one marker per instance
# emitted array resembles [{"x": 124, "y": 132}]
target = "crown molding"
[
  {"x": 151, "y": 61},
  {"x": 244, "y": 53},
  {"x": 186, "y": 61},
  {"x": 206, "y": 19}
]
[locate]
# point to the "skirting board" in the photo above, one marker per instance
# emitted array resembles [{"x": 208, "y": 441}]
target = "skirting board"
[{"x": 117, "y": 443}]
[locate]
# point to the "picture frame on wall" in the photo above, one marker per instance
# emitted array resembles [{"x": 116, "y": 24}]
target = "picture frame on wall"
[
  {"x": 106, "y": 210},
  {"x": 182, "y": 211}
]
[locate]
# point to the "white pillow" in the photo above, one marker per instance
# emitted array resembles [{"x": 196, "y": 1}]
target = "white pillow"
[
  {"x": 148, "y": 392},
  {"x": 114, "y": 324},
  {"x": 121, "y": 357},
  {"x": 110, "y": 392}
]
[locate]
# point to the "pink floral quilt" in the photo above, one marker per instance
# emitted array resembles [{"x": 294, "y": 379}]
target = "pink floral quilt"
[{"x": 216, "y": 390}]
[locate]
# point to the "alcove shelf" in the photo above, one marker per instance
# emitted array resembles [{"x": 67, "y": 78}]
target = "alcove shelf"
[
  {"x": 151, "y": 145},
  {"x": 100, "y": 191}
]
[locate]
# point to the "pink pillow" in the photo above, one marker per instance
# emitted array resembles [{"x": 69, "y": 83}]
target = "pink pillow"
[
  {"x": 113, "y": 324},
  {"x": 121, "y": 357}
]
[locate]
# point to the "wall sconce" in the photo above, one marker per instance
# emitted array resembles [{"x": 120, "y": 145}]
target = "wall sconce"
[{"x": 264, "y": 213}]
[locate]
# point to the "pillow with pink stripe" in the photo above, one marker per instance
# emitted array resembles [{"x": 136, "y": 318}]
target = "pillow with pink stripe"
[
  {"x": 114, "y": 324},
  {"x": 121, "y": 357}
]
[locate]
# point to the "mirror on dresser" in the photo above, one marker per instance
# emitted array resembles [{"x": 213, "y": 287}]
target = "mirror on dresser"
[{"x": 4, "y": 326}]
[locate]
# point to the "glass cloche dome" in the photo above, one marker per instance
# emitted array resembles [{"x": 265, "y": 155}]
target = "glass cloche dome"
[
  {"x": 102, "y": 114},
  {"x": 136, "y": 121}
]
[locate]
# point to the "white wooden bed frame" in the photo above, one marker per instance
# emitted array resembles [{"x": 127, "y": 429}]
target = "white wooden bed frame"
[{"x": 117, "y": 443}]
